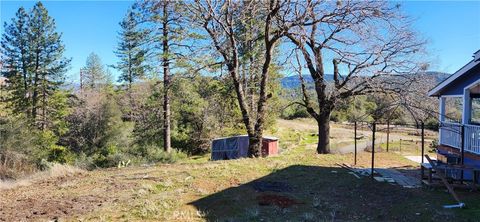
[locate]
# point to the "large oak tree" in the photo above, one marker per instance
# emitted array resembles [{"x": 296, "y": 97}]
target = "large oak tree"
[{"x": 369, "y": 45}]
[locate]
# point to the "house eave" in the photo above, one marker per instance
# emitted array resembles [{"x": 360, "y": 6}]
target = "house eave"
[{"x": 438, "y": 88}]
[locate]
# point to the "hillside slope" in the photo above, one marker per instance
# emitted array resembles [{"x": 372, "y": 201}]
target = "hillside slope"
[{"x": 292, "y": 82}]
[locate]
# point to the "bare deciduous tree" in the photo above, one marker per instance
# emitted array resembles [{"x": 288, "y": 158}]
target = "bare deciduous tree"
[
  {"x": 222, "y": 21},
  {"x": 371, "y": 46}
]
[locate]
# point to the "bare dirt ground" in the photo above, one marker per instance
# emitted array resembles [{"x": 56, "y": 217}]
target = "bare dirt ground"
[
  {"x": 63, "y": 197},
  {"x": 201, "y": 192}
]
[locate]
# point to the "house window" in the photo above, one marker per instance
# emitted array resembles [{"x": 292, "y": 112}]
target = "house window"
[
  {"x": 475, "y": 111},
  {"x": 453, "y": 109}
]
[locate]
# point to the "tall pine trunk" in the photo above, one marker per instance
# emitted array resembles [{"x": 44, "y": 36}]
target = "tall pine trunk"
[
  {"x": 166, "y": 81},
  {"x": 43, "y": 124},
  {"x": 35, "y": 88}
]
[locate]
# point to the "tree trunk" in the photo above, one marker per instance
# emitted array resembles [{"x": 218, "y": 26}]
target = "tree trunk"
[
  {"x": 130, "y": 72},
  {"x": 323, "y": 145},
  {"x": 35, "y": 89},
  {"x": 25, "y": 85},
  {"x": 255, "y": 144},
  {"x": 44, "y": 104},
  {"x": 166, "y": 81}
]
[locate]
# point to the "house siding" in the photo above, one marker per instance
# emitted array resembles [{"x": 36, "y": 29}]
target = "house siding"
[
  {"x": 471, "y": 159},
  {"x": 456, "y": 87}
]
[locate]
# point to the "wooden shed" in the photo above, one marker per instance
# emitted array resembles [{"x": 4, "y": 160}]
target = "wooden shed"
[
  {"x": 269, "y": 146},
  {"x": 237, "y": 147}
]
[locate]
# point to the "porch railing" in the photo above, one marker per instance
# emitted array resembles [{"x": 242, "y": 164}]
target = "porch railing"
[
  {"x": 472, "y": 138},
  {"x": 451, "y": 135}
]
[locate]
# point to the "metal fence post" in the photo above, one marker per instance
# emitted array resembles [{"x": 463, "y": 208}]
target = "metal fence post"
[
  {"x": 373, "y": 148},
  {"x": 423, "y": 140},
  {"x": 388, "y": 134},
  {"x": 400, "y": 146},
  {"x": 355, "y": 139}
]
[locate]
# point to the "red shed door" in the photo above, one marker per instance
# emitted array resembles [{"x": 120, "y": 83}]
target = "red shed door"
[{"x": 269, "y": 147}]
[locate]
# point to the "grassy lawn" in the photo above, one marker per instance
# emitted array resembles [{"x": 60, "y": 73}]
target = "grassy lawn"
[{"x": 200, "y": 190}]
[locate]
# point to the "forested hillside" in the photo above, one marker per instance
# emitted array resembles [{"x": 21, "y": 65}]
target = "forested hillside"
[{"x": 293, "y": 82}]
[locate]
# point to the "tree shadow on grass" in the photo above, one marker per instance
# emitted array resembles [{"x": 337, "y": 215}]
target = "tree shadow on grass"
[{"x": 312, "y": 193}]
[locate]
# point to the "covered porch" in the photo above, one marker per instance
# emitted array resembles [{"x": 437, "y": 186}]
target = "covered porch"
[
  {"x": 461, "y": 131},
  {"x": 459, "y": 108}
]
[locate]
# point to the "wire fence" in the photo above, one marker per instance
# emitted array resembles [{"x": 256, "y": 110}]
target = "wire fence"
[{"x": 405, "y": 139}]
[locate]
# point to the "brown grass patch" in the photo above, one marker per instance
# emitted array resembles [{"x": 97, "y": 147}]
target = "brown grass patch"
[{"x": 57, "y": 170}]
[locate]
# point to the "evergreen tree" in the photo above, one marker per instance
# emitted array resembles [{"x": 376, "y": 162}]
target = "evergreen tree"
[
  {"x": 130, "y": 51},
  {"x": 33, "y": 52},
  {"x": 15, "y": 62},
  {"x": 96, "y": 74},
  {"x": 166, "y": 23},
  {"x": 48, "y": 63}
]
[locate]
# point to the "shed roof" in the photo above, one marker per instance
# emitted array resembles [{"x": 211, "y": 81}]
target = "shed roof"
[{"x": 437, "y": 90}]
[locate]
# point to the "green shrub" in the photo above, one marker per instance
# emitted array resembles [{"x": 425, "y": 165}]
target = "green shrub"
[
  {"x": 294, "y": 112},
  {"x": 25, "y": 149},
  {"x": 49, "y": 150},
  {"x": 59, "y": 154},
  {"x": 431, "y": 124},
  {"x": 83, "y": 161},
  {"x": 155, "y": 154},
  {"x": 433, "y": 145}
]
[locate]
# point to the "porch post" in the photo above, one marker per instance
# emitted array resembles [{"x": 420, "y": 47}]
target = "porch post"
[
  {"x": 441, "y": 117},
  {"x": 442, "y": 109},
  {"x": 467, "y": 110},
  {"x": 467, "y": 107}
]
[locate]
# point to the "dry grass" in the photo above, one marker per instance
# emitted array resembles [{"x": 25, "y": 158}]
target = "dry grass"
[
  {"x": 201, "y": 190},
  {"x": 342, "y": 135},
  {"x": 15, "y": 165},
  {"x": 55, "y": 171}
]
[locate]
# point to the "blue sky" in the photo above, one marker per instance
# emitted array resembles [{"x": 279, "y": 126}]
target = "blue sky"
[
  {"x": 451, "y": 27},
  {"x": 87, "y": 26}
]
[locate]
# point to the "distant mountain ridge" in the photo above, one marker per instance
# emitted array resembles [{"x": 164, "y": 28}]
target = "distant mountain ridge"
[{"x": 292, "y": 82}]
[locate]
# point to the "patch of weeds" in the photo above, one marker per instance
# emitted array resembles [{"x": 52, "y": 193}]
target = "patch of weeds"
[
  {"x": 147, "y": 209},
  {"x": 164, "y": 186},
  {"x": 144, "y": 189}
]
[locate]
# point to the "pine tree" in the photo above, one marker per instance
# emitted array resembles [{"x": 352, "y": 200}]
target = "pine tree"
[
  {"x": 129, "y": 51},
  {"x": 168, "y": 32},
  {"x": 33, "y": 52},
  {"x": 48, "y": 63},
  {"x": 15, "y": 62},
  {"x": 95, "y": 74}
]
